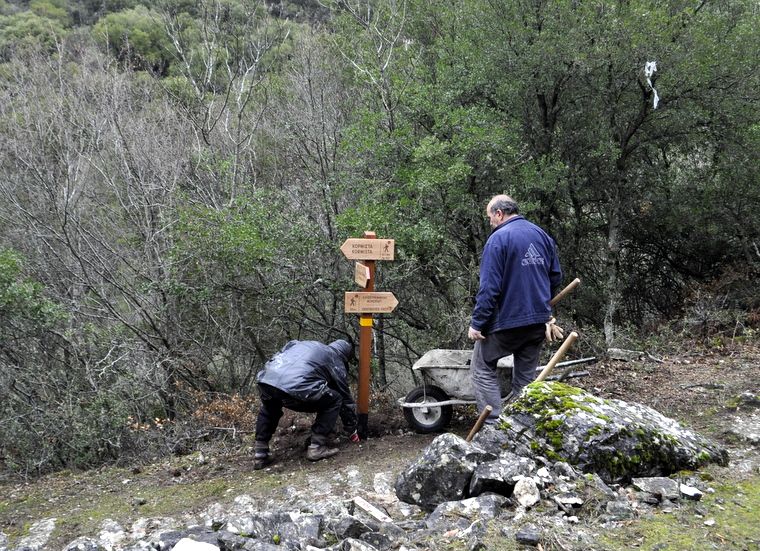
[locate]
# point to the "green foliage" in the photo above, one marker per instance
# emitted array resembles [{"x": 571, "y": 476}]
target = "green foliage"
[
  {"x": 22, "y": 302},
  {"x": 26, "y": 29},
  {"x": 51, "y": 9},
  {"x": 135, "y": 37},
  {"x": 237, "y": 239}
]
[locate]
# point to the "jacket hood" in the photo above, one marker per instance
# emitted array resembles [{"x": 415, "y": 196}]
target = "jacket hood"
[{"x": 344, "y": 349}]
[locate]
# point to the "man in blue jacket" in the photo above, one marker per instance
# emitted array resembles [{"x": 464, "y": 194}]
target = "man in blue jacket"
[
  {"x": 519, "y": 273},
  {"x": 306, "y": 376}
]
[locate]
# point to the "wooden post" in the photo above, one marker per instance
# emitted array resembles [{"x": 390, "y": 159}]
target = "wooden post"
[
  {"x": 366, "y": 302},
  {"x": 365, "y": 352}
]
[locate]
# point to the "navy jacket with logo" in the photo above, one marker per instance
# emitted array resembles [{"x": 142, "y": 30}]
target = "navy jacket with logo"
[{"x": 519, "y": 273}]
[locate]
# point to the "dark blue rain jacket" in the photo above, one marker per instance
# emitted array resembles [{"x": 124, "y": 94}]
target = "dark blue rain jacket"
[{"x": 519, "y": 273}]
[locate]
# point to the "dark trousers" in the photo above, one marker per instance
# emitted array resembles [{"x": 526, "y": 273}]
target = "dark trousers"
[
  {"x": 327, "y": 408},
  {"x": 524, "y": 343}
]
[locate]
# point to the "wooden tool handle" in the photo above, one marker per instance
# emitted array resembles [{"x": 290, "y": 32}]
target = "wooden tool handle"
[
  {"x": 570, "y": 287},
  {"x": 558, "y": 355},
  {"x": 479, "y": 423}
]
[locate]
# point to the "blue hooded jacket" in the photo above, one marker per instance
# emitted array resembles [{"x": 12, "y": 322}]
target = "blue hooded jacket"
[{"x": 519, "y": 273}]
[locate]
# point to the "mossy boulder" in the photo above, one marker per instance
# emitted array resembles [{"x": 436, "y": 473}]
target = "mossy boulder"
[{"x": 615, "y": 439}]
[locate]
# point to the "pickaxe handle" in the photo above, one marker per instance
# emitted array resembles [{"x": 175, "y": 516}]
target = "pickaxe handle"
[
  {"x": 558, "y": 355},
  {"x": 479, "y": 423},
  {"x": 570, "y": 287}
]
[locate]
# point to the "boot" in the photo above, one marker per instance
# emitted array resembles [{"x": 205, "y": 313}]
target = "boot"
[
  {"x": 315, "y": 452},
  {"x": 261, "y": 456}
]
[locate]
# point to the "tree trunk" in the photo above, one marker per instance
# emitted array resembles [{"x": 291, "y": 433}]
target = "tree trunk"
[{"x": 612, "y": 267}]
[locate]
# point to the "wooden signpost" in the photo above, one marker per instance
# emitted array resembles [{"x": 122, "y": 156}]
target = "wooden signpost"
[{"x": 365, "y": 303}]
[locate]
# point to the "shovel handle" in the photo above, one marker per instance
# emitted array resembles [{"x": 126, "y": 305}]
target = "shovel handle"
[
  {"x": 570, "y": 287},
  {"x": 479, "y": 423},
  {"x": 558, "y": 355}
]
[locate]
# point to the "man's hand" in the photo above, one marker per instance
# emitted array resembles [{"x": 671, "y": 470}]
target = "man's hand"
[
  {"x": 354, "y": 437},
  {"x": 475, "y": 335},
  {"x": 553, "y": 331}
]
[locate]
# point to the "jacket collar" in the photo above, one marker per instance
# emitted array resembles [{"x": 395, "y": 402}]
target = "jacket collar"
[{"x": 497, "y": 228}]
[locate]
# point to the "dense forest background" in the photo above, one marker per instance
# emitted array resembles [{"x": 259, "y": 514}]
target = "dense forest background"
[{"x": 176, "y": 178}]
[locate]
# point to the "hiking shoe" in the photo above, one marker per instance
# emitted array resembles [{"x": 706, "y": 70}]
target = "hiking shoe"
[
  {"x": 315, "y": 452},
  {"x": 261, "y": 459}
]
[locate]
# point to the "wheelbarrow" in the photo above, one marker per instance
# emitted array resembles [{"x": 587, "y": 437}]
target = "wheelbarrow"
[{"x": 447, "y": 383}]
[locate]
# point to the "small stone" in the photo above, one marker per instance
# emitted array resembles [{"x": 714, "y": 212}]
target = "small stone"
[
  {"x": 526, "y": 492},
  {"x": 690, "y": 492},
  {"x": 709, "y": 522},
  {"x": 528, "y": 535}
]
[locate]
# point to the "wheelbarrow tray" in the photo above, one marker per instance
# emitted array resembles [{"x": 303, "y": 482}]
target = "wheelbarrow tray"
[
  {"x": 447, "y": 381},
  {"x": 450, "y": 371}
]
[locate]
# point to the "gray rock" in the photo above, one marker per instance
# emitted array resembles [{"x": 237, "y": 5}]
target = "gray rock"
[
  {"x": 526, "y": 492},
  {"x": 491, "y": 439},
  {"x": 619, "y": 510},
  {"x": 568, "y": 500},
  {"x": 483, "y": 507},
  {"x": 750, "y": 399},
  {"x": 231, "y": 542},
  {"x": 563, "y": 469},
  {"x": 351, "y": 544},
  {"x": 3, "y": 542},
  {"x": 528, "y": 535},
  {"x": 349, "y": 526},
  {"x": 746, "y": 428},
  {"x": 441, "y": 473},
  {"x": 81, "y": 544},
  {"x": 187, "y": 544},
  {"x": 663, "y": 488},
  {"x": 616, "y": 439},
  {"x": 111, "y": 534},
  {"x": 596, "y": 485},
  {"x": 377, "y": 540},
  {"x": 690, "y": 492},
  {"x": 39, "y": 534},
  {"x": 383, "y": 483},
  {"x": 501, "y": 475}
]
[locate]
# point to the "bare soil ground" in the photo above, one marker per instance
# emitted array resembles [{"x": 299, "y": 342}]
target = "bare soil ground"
[{"x": 698, "y": 388}]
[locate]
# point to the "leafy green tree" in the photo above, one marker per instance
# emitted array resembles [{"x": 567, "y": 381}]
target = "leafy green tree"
[
  {"x": 25, "y": 30},
  {"x": 136, "y": 37}
]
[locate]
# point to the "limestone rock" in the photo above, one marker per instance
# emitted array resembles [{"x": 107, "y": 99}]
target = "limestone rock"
[
  {"x": 483, "y": 507},
  {"x": 501, "y": 475},
  {"x": 616, "y": 439},
  {"x": 662, "y": 488},
  {"x": 526, "y": 492},
  {"x": 441, "y": 473}
]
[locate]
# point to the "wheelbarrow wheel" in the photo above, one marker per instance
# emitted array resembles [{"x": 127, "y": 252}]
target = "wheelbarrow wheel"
[{"x": 431, "y": 418}]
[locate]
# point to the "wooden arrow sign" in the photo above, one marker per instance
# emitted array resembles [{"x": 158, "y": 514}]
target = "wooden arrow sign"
[
  {"x": 361, "y": 274},
  {"x": 368, "y": 249},
  {"x": 370, "y": 303}
]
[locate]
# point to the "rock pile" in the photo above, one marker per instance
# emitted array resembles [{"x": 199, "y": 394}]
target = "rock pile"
[{"x": 522, "y": 480}]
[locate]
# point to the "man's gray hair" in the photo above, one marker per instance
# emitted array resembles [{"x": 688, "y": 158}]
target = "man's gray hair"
[{"x": 505, "y": 204}]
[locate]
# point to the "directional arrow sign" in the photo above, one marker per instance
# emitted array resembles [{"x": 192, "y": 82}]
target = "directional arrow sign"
[
  {"x": 361, "y": 274},
  {"x": 368, "y": 249},
  {"x": 370, "y": 303}
]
